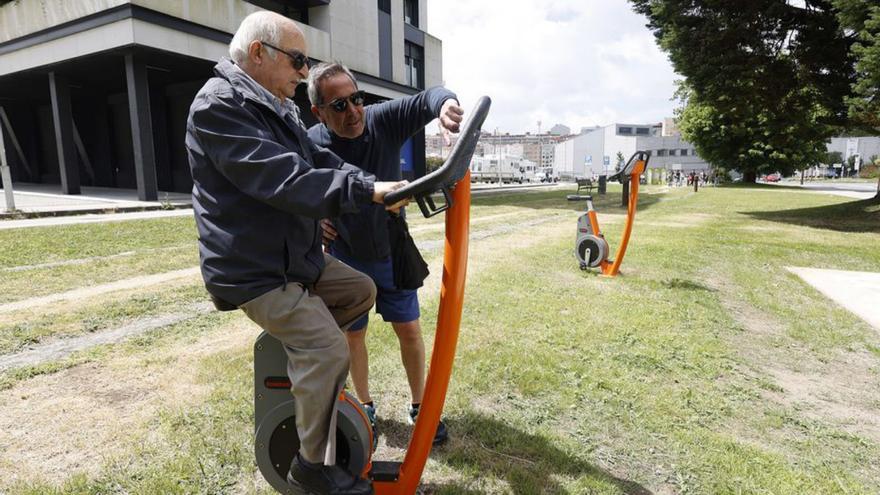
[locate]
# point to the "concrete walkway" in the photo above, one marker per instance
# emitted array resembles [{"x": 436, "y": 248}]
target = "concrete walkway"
[
  {"x": 40, "y": 200},
  {"x": 92, "y": 218},
  {"x": 42, "y": 205},
  {"x": 858, "y": 292},
  {"x": 837, "y": 187}
]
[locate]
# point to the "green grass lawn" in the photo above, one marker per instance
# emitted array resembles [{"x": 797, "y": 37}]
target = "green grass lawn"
[{"x": 706, "y": 367}]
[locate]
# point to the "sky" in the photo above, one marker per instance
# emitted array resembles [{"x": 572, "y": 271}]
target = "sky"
[{"x": 573, "y": 62}]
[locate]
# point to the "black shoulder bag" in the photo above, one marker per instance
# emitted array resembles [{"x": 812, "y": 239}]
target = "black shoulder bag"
[{"x": 410, "y": 269}]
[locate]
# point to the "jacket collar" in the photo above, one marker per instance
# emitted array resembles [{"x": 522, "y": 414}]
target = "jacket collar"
[{"x": 252, "y": 90}]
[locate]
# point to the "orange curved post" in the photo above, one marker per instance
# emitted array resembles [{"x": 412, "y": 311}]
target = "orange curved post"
[
  {"x": 609, "y": 269},
  {"x": 445, "y": 340}
]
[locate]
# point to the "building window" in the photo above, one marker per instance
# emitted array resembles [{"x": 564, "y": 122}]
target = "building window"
[
  {"x": 385, "y": 6},
  {"x": 661, "y": 152},
  {"x": 299, "y": 14},
  {"x": 642, "y": 131},
  {"x": 684, "y": 152},
  {"x": 415, "y": 65},
  {"x": 411, "y": 12},
  {"x": 624, "y": 130}
]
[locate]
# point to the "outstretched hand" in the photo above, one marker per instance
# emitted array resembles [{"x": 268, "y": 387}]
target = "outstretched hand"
[{"x": 451, "y": 116}]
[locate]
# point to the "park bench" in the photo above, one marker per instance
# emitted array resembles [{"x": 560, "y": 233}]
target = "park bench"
[{"x": 585, "y": 184}]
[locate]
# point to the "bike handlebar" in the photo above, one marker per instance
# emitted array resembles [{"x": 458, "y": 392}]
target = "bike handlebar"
[
  {"x": 452, "y": 170},
  {"x": 630, "y": 165}
]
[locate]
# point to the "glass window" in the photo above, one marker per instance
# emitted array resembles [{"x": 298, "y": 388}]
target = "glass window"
[
  {"x": 624, "y": 130},
  {"x": 672, "y": 152},
  {"x": 642, "y": 131},
  {"x": 285, "y": 8},
  {"x": 415, "y": 65},
  {"x": 385, "y": 6},
  {"x": 411, "y": 12},
  {"x": 684, "y": 152},
  {"x": 661, "y": 152}
]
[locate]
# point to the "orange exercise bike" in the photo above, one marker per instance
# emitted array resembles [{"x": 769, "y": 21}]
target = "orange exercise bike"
[
  {"x": 590, "y": 246},
  {"x": 276, "y": 441}
]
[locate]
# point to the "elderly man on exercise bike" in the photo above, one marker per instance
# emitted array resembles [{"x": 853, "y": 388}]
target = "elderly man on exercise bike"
[{"x": 260, "y": 187}]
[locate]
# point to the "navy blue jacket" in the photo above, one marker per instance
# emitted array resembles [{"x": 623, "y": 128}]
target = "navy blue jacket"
[
  {"x": 259, "y": 187},
  {"x": 364, "y": 235}
]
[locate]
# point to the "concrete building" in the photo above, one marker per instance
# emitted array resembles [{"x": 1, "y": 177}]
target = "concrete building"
[
  {"x": 560, "y": 130},
  {"x": 670, "y": 127},
  {"x": 866, "y": 148},
  {"x": 548, "y": 151},
  {"x": 600, "y": 151},
  {"x": 97, "y": 92}
]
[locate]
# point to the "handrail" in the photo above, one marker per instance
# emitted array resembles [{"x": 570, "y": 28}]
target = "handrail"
[
  {"x": 636, "y": 165},
  {"x": 452, "y": 170}
]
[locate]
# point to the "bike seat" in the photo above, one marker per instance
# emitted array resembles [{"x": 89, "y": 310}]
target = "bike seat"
[{"x": 578, "y": 197}]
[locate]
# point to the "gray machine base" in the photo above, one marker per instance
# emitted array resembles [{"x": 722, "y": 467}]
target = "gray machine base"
[{"x": 276, "y": 441}]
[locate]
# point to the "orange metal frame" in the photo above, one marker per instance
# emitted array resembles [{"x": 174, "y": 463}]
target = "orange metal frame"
[
  {"x": 445, "y": 341},
  {"x": 612, "y": 269}
]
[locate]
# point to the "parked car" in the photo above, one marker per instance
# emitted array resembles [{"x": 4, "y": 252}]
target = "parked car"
[{"x": 772, "y": 178}]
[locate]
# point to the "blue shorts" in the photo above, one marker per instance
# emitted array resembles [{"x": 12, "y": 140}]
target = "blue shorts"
[{"x": 395, "y": 305}]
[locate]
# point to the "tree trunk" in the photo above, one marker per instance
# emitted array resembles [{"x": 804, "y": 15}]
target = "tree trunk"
[{"x": 750, "y": 177}]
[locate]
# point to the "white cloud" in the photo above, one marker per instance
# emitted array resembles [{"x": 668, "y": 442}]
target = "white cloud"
[{"x": 572, "y": 62}]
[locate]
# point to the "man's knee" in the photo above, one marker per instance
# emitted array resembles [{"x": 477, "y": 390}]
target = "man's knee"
[
  {"x": 408, "y": 332},
  {"x": 356, "y": 335}
]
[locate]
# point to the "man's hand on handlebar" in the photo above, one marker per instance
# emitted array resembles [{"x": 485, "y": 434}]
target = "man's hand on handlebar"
[
  {"x": 450, "y": 119},
  {"x": 380, "y": 189}
]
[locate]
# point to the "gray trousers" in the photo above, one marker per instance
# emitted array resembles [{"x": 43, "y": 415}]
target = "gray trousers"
[{"x": 310, "y": 323}]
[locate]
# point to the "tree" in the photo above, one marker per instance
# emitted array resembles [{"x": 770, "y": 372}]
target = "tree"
[
  {"x": 765, "y": 81},
  {"x": 860, "y": 21},
  {"x": 833, "y": 157}
]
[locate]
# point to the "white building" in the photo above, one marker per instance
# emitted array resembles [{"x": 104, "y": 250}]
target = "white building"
[
  {"x": 598, "y": 152},
  {"x": 864, "y": 147}
]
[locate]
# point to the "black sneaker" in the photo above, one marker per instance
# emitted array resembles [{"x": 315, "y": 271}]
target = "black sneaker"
[
  {"x": 371, "y": 415},
  {"x": 326, "y": 480},
  {"x": 441, "y": 436}
]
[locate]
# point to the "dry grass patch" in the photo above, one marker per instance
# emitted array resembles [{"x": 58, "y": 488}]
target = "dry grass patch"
[{"x": 75, "y": 420}]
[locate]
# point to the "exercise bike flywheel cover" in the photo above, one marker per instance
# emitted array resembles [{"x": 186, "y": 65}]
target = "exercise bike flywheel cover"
[{"x": 597, "y": 246}]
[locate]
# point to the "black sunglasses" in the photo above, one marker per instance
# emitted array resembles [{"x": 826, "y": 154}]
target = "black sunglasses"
[
  {"x": 296, "y": 58},
  {"x": 340, "y": 104}
]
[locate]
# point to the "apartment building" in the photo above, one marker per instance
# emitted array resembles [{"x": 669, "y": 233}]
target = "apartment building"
[{"x": 599, "y": 151}]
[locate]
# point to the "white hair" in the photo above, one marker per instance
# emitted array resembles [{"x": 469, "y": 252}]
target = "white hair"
[{"x": 259, "y": 26}]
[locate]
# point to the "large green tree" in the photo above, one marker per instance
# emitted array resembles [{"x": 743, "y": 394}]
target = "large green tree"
[
  {"x": 766, "y": 81},
  {"x": 860, "y": 20}
]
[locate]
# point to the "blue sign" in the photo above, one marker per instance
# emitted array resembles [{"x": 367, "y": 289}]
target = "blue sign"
[
  {"x": 606, "y": 160},
  {"x": 589, "y": 159},
  {"x": 406, "y": 156}
]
